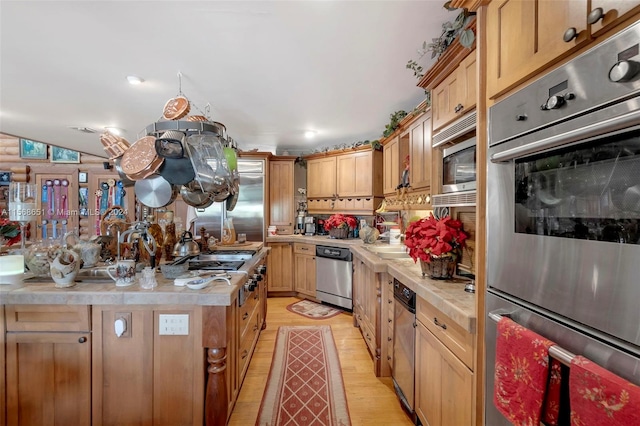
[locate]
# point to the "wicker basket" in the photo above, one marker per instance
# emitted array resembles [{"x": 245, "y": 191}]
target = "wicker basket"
[
  {"x": 440, "y": 267},
  {"x": 339, "y": 233}
]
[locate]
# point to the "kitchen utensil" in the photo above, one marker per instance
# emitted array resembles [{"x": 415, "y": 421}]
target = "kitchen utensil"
[
  {"x": 176, "y": 108},
  {"x": 155, "y": 192},
  {"x": 114, "y": 145},
  {"x": 123, "y": 177},
  {"x": 141, "y": 160},
  {"x": 193, "y": 196},
  {"x": 186, "y": 246}
]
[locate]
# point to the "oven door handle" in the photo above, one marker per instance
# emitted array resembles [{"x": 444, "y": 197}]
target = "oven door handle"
[
  {"x": 559, "y": 353},
  {"x": 610, "y": 125}
]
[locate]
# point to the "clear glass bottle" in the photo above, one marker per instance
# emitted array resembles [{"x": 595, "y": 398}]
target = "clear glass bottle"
[{"x": 228, "y": 232}]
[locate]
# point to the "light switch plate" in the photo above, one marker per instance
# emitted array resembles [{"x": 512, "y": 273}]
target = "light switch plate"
[{"x": 173, "y": 324}]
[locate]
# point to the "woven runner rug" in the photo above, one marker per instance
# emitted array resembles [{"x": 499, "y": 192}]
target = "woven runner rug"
[
  {"x": 312, "y": 310},
  {"x": 305, "y": 385}
]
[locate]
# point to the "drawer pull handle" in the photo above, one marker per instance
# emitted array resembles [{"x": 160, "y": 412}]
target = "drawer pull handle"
[
  {"x": 389, "y": 339},
  {"x": 244, "y": 354},
  {"x": 245, "y": 316},
  {"x": 439, "y": 324},
  {"x": 389, "y": 320},
  {"x": 255, "y": 327},
  {"x": 390, "y": 301},
  {"x": 82, "y": 339},
  {"x": 368, "y": 337},
  {"x": 388, "y": 358}
]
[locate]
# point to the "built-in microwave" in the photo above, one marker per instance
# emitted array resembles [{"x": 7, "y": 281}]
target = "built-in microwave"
[{"x": 459, "y": 167}]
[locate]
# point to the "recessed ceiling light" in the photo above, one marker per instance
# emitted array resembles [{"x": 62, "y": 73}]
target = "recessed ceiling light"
[
  {"x": 310, "y": 134},
  {"x": 114, "y": 130},
  {"x": 134, "y": 79},
  {"x": 84, "y": 129}
]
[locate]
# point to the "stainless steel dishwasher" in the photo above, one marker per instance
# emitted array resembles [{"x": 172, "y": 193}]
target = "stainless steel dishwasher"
[
  {"x": 404, "y": 342},
  {"x": 334, "y": 276}
]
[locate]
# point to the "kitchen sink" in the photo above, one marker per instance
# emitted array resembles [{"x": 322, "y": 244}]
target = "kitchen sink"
[
  {"x": 389, "y": 251},
  {"x": 93, "y": 274}
]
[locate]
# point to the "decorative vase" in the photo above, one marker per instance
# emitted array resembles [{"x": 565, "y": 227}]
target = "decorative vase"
[
  {"x": 339, "y": 233},
  {"x": 64, "y": 268},
  {"x": 440, "y": 267}
]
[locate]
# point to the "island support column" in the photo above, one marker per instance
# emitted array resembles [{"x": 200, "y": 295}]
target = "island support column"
[{"x": 217, "y": 327}]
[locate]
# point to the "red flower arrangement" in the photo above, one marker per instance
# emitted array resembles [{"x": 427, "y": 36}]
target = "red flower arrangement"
[
  {"x": 340, "y": 221},
  {"x": 429, "y": 237},
  {"x": 10, "y": 231}
]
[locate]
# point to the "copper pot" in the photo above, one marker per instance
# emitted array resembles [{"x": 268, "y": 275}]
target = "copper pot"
[{"x": 141, "y": 159}]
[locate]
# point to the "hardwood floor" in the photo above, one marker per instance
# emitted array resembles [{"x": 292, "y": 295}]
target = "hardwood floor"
[{"x": 371, "y": 400}]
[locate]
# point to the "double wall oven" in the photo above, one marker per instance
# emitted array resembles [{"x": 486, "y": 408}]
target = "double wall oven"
[{"x": 563, "y": 230}]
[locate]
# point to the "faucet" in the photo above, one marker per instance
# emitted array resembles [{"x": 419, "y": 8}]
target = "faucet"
[{"x": 149, "y": 243}]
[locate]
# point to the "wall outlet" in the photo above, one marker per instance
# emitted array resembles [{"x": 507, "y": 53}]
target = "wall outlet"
[
  {"x": 174, "y": 324},
  {"x": 122, "y": 324}
]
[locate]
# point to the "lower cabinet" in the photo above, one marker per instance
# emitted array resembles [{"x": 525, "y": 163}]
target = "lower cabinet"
[
  {"x": 305, "y": 269},
  {"x": 48, "y": 365},
  {"x": 443, "y": 382},
  {"x": 388, "y": 303},
  {"x": 280, "y": 267}
]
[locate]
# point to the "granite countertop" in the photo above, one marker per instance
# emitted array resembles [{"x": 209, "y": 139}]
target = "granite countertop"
[
  {"x": 217, "y": 293},
  {"x": 446, "y": 295}
]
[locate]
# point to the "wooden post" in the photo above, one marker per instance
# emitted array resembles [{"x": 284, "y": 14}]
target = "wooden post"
[{"x": 215, "y": 402}]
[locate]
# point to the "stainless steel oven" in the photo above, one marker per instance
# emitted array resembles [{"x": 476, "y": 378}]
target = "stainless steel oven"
[{"x": 563, "y": 200}]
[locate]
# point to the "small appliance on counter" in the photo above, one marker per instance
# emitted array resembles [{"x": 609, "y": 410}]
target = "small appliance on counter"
[
  {"x": 309, "y": 225},
  {"x": 302, "y": 213},
  {"x": 320, "y": 228}
]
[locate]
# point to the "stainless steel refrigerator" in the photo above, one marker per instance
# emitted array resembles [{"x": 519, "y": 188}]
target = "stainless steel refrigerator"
[{"x": 249, "y": 212}]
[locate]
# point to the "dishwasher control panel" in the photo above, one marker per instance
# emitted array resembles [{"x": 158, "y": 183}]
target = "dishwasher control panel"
[
  {"x": 404, "y": 295},
  {"x": 338, "y": 253}
]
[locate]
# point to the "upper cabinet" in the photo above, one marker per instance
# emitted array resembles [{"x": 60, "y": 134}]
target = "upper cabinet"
[
  {"x": 345, "y": 182},
  {"x": 281, "y": 194},
  {"x": 527, "y": 36},
  {"x": 393, "y": 155},
  {"x": 420, "y": 152},
  {"x": 321, "y": 177},
  {"x": 456, "y": 94}
]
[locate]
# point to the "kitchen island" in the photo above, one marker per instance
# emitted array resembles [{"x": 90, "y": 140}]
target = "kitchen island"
[{"x": 100, "y": 354}]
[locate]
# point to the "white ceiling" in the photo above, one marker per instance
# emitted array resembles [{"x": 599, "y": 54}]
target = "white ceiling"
[{"x": 269, "y": 69}]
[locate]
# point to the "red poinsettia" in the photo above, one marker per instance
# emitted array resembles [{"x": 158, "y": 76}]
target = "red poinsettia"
[
  {"x": 9, "y": 231},
  {"x": 435, "y": 237},
  {"x": 340, "y": 221}
]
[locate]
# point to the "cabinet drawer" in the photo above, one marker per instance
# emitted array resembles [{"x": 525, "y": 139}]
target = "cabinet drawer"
[
  {"x": 369, "y": 338},
  {"x": 47, "y": 318},
  {"x": 302, "y": 248},
  {"x": 455, "y": 338},
  {"x": 247, "y": 340},
  {"x": 247, "y": 312}
]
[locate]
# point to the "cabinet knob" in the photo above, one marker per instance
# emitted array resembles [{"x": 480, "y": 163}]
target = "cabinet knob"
[
  {"x": 388, "y": 358},
  {"x": 521, "y": 117},
  {"x": 570, "y": 34},
  {"x": 595, "y": 15},
  {"x": 82, "y": 339}
]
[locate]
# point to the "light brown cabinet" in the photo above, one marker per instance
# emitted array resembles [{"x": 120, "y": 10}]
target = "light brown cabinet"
[
  {"x": 321, "y": 178},
  {"x": 443, "y": 369},
  {"x": 345, "y": 182},
  {"x": 305, "y": 269},
  {"x": 420, "y": 152},
  {"x": 368, "y": 313},
  {"x": 48, "y": 365},
  {"x": 525, "y": 37},
  {"x": 456, "y": 94},
  {"x": 280, "y": 267},
  {"x": 388, "y": 303},
  {"x": 281, "y": 195},
  {"x": 391, "y": 158}
]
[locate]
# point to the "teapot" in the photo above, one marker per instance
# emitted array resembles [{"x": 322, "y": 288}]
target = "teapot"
[
  {"x": 186, "y": 246},
  {"x": 89, "y": 251}
]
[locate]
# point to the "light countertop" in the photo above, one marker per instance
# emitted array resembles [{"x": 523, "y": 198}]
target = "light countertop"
[
  {"x": 446, "y": 295},
  {"x": 217, "y": 293}
]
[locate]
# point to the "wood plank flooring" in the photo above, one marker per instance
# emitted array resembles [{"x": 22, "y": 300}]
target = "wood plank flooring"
[{"x": 371, "y": 400}]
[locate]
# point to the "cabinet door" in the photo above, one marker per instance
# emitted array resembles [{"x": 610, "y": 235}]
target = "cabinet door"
[
  {"x": 613, "y": 11},
  {"x": 444, "y": 385},
  {"x": 321, "y": 178},
  {"x": 280, "y": 267},
  {"x": 445, "y": 97},
  {"x": 354, "y": 176},
  {"x": 305, "y": 273},
  {"x": 281, "y": 195},
  {"x": 524, "y": 36},
  {"x": 48, "y": 378},
  {"x": 420, "y": 145},
  {"x": 467, "y": 80},
  {"x": 391, "y": 166}
]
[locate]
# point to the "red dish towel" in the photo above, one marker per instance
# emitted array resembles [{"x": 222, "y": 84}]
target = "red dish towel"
[
  {"x": 522, "y": 371},
  {"x": 599, "y": 397},
  {"x": 552, "y": 403}
]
